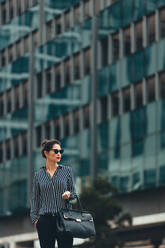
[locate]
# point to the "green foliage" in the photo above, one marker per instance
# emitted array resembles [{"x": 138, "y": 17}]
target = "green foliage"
[{"x": 107, "y": 213}]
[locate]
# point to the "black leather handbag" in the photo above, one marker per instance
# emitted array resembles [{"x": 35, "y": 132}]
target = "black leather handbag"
[{"x": 76, "y": 223}]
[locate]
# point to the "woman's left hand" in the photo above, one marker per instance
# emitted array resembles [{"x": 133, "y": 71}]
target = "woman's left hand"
[{"x": 66, "y": 195}]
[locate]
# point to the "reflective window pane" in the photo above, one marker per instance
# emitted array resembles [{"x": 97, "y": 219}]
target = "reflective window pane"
[
  {"x": 104, "y": 108},
  {"x": 126, "y": 93},
  {"x": 138, "y": 95},
  {"x": 151, "y": 28},
  {"x": 127, "y": 41},
  {"x": 162, "y": 22},
  {"x": 104, "y": 51},
  {"x": 150, "y": 85},
  {"x": 115, "y": 104},
  {"x": 115, "y": 46},
  {"x": 139, "y": 35},
  {"x": 162, "y": 84}
]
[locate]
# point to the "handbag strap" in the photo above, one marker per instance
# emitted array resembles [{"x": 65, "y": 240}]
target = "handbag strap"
[{"x": 67, "y": 205}]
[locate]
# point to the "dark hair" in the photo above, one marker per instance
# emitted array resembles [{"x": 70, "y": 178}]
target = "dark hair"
[{"x": 46, "y": 145}]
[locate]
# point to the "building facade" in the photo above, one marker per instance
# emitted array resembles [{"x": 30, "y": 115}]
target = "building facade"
[{"x": 92, "y": 74}]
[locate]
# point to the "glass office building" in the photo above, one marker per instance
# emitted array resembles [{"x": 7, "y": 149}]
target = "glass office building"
[{"x": 46, "y": 91}]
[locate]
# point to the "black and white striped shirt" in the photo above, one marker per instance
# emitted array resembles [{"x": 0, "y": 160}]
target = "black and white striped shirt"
[{"x": 47, "y": 192}]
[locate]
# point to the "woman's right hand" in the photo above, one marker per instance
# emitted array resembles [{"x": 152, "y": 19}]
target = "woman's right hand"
[{"x": 35, "y": 223}]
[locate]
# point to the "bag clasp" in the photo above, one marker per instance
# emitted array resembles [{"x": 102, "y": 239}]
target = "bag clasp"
[{"x": 78, "y": 220}]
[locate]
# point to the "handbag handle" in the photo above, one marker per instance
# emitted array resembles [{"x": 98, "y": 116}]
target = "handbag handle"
[{"x": 78, "y": 201}]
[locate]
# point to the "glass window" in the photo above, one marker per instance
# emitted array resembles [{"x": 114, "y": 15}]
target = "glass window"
[
  {"x": 125, "y": 129},
  {"x": 114, "y": 168},
  {"x": 126, "y": 99},
  {"x": 150, "y": 161},
  {"x": 25, "y": 142},
  {"x": 127, "y": 41},
  {"x": 16, "y": 146},
  {"x": 138, "y": 95},
  {"x": 35, "y": 35},
  {"x": 47, "y": 130},
  {"x": 26, "y": 43},
  {"x": 77, "y": 14},
  {"x": 38, "y": 136},
  {"x": 58, "y": 24},
  {"x": 87, "y": 11},
  {"x": 87, "y": 64},
  {"x": 138, "y": 148},
  {"x": 3, "y": 6},
  {"x": 3, "y": 58},
  {"x": 1, "y": 152},
  {"x": 9, "y": 101},
  {"x": 127, "y": 11},
  {"x": 151, "y": 5},
  {"x": 162, "y": 84},
  {"x": 67, "y": 19},
  {"x": 11, "y": 9},
  {"x": 19, "y": 6},
  {"x": 66, "y": 125},
  {"x": 18, "y": 48},
  {"x": 104, "y": 51},
  {"x": 139, "y": 35},
  {"x": 115, "y": 46},
  {"x": 161, "y": 52},
  {"x": 104, "y": 108},
  {"x": 125, "y": 169},
  {"x": 67, "y": 68},
  {"x": 48, "y": 81},
  {"x": 114, "y": 16},
  {"x": 57, "y": 76},
  {"x": 114, "y": 76},
  {"x": 103, "y": 81},
  {"x": 103, "y": 22},
  {"x": 151, "y": 28},
  {"x": 150, "y": 63},
  {"x": 115, "y": 134},
  {"x": 77, "y": 66},
  {"x": 151, "y": 112},
  {"x": 84, "y": 31},
  {"x": 57, "y": 128},
  {"x": 162, "y": 23},
  {"x": 150, "y": 85},
  {"x": 86, "y": 113},
  {"x": 103, "y": 137},
  {"x": 8, "y": 150},
  {"x": 138, "y": 123},
  {"x": 17, "y": 97},
  {"x": 39, "y": 85},
  {"x": 76, "y": 118},
  {"x": 49, "y": 30},
  {"x": 1, "y": 105},
  {"x": 115, "y": 103},
  {"x": 11, "y": 53}
]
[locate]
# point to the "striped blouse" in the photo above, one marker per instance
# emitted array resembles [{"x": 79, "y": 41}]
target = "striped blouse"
[{"x": 47, "y": 192}]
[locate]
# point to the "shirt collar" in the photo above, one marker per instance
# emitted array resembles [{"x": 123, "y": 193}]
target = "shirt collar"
[{"x": 59, "y": 166}]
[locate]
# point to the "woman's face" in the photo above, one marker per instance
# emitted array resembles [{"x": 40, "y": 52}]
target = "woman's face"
[{"x": 51, "y": 155}]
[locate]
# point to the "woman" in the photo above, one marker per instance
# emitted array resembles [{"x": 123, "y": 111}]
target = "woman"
[{"x": 52, "y": 187}]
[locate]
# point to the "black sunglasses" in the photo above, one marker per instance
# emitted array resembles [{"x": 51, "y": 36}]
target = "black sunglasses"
[{"x": 56, "y": 151}]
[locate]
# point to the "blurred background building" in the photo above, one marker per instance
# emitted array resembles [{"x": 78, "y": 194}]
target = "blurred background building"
[{"x": 92, "y": 74}]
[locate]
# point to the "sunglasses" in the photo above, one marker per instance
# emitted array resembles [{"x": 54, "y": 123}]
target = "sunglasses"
[{"x": 56, "y": 151}]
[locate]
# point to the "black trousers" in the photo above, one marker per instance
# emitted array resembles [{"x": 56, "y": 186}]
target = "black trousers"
[{"x": 46, "y": 228}]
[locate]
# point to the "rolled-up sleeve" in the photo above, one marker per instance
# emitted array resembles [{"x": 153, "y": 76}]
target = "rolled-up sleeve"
[
  {"x": 35, "y": 200},
  {"x": 71, "y": 185}
]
